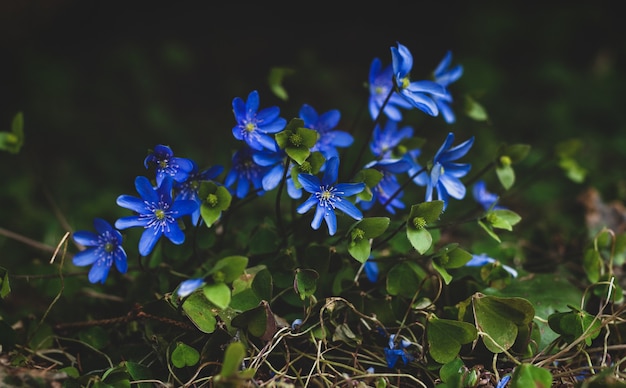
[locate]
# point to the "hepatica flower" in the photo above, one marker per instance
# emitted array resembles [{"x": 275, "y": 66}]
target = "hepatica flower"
[
  {"x": 380, "y": 85},
  {"x": 188, "y": 286},
  {"x": 245, "y": 173},
  {"x": 156, "y": 212},
  {"x": 102, "y": 250},
  {"x": 395, "y": 351},
  {"x": 386, "y": 139},
  {"x": 329, "y": 138},
  {"x": 188, "y": 189},
  {"x": 444, "y": 176},
  {"x": 388, "y": 185},
  {"x": 255, "y": 126},
  {"x": 327, "y": 196},
  {"x": 419, "y": 94},
  {"x": 444, "y": 75},
  {"x": 166, "y": 164}
]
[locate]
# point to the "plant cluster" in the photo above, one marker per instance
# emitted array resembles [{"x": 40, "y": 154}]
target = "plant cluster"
[{"x": 324, "y": 257}]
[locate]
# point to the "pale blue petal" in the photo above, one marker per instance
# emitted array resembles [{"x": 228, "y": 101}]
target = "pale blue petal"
[
  {"x": 348, "y": 189},
  {"x": 148, "y": 240},
  {"x": 310, "y": 183},
  {"x": 130, "y": 222},
  {"x": 86, "y": 238},
  {"x": 175, "y": 234},
  {"x": 252, "y": 104},
  {"x": 348, "y": 208},
  {"x": 307, "y": 205},
  {"x": 318, "y": 217},
  {"x": 145, "y": 189},
  {"x": 99, "y": 272},
  {"x": 332, "y": 171},
  {"x": 331, "y": 221},
  {"x": 132, "y": 203},
  {"x": 453, "y": 186},
  {"x": 85, "y": 257}
]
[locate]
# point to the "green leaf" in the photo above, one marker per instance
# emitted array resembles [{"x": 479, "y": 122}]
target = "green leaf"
[
  {"x": 474, "y": 110},
  {"x": 184, "y": 355},
  {"x": 500, "y": 318},
  {"x": 515, "y": 152},
  {"x": 138, "y": 372},
  {"x": 216, "y": 199},
  {"x": 233, "y": 357},
  {"x": 305, "y": 283},
  {"x": 360, "y": 250},
  {"x": 487, "y": 228},
  {"x": 404, "y": 279},
  {"x": 373, "y": 226},
  {"x": 593, "y": 264},
  {"x": 275, "y": 80},
  {"x": 40, "y": 337},
  {"x": 574, "y": 324},
  {"x": 362, "y": 232},
  {"x": 219, "y": 294},
  {"x": 420, "y": 239},
  {"x": 506, "y": 176},
  {"x": 527, "y": 375},
  {"x": 201, "y": 312},
  {"x": 503, "y": 219},
  {"x": 259, "y": 321},
  {"x": 229, "y": 268},
  {"x": 429, "y": 211},
  {"x": 445, "y": 337},
  {"x": 297, "y": 140},
  {"x": 450, "y": 371}
]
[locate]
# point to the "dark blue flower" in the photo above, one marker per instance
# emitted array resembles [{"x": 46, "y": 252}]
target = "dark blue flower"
[
  {"x": 188, "y": 189},
  {"x": 329, "y": 138},
  {"x": 328, "y": 196},
  {"x": 485, "y": 198},
  {"x": 388, "y": 185},
  {"x": 444, "y": 75},
  {"x": 188, "y": 286},
  {"x": 103, "y": 249},
  {"x": 444, "y": 175},
  {"x": 395, "y": 351},
  {"x": 156, "y": 212},
  {"x": 166, "y": 164},
  {"x": 246, "y": 173},
  {"x": 386, "y": 139},
  {"x": 254, "y": 126},
  {"x": 419, "y": 93},
  {"x": 483, "y": 259},
  {"x": 380, "y": 85}
]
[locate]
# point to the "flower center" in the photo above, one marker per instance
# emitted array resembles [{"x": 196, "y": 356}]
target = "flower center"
[
  {"x": 109, "y": 247},
  {"x": 295, "y": 140},
  {"x": 159, "y": 214},
  {"x": 405, "y": 82},
  {"x": 250, "y": 127},
  {"x": 212, "y": 200}
]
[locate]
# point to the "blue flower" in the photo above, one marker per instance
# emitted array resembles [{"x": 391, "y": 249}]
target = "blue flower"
[
  {"x": 444, "y": 75},
  {"x": 328, "y": 196},
  {"x": 444, "y": 175},
  {"x": 485, "y": 198},
  {"x": 188, "y": 286},
  {"x": 395, "y": 351},
  {"x": 166, "y": 164},
  {"x": 246, "y": 173},
  {"x": 388, "y": 185},
  {"x": 188, "y": 189},
  {"x": 419, "y": 93},
  {"x": 386, "y": 139},
  {"x": 380, "y": 85},
  {"x": 483, "y": 259},
  {"x": 103, "y": 249},
  {"x": 329, "y": 139},
  {"x": 254, "y": 126},
  {"x": 156, "y": 212}
]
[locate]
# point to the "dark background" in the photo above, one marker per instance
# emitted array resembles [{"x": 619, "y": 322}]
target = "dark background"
[{"x": 100, "y": 83}]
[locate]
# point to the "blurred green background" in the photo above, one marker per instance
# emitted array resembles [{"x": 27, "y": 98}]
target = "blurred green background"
[{"x": 100, "y": 83}]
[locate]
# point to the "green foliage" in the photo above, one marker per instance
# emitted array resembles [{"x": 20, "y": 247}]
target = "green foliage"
[{"x": 446, "y": 336}]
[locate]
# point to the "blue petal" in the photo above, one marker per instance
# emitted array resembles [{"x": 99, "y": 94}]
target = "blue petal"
[
  {"x": 453, "y": 186},
  {"x": 458, "y": 151},
  {"x": 443, "y": 65},
  {"x": 328, "y": 120},
  {"x": 121, "y": 260},
  {"x": 102, "y": 226},
  {"x": 188, "y": 286},
  {"x": 274, "y": 126},
  {"x": 340, "y": 138},
  {"x": 331, "y": 221},
  {"x": 349, "y": 189},
  {"x": 267, "y": 116},
  {"x": 239, "y": 110},
  {"x": 130, "y": 222},
  {"x": 145, "y": 189},
  {"x": 430, "y": 87},
  {"x": 307, "y": 205},
  {"x": 252, "y": 104},
  {"x": 86, "y": 238},
  {"x": 479, "y": 260},
  {"x": 421, "y": 102},
  {"x": 331, "y": 172},
  {"x": 85, "y": 257},
  {"x": 175, "y": 234},
  {"x": 308, "y": 115},
  {"x": 348, "y": 208},
  {"x": 148, "y": 240},
  {"x": 444, "y": 147},
  {"x": 371, "y": 270},
  {"x": 132, "y": 203},
  {"x": 273, "y": 178},
  {"x": 99, "y": 272},
  {"x": 310, "y": 183},
  {"x": 184, "y": 207},
  {"x": 317, "y": 218}
]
